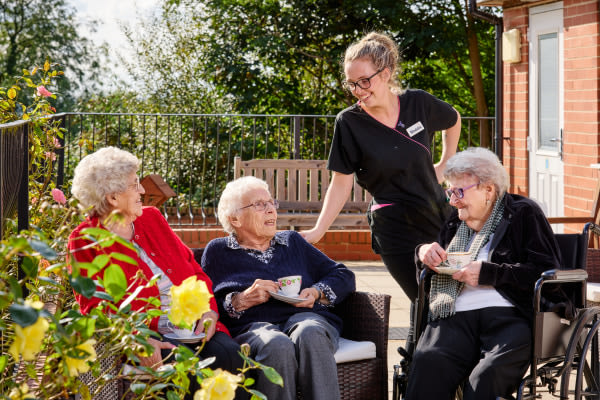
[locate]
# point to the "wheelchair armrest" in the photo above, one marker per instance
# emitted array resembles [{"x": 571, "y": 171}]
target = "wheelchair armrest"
[
  {"x": 564, "y": 275},
  {"x": 558, "y": 276}
]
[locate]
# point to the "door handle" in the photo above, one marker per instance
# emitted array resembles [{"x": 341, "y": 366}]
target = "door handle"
[{"x": 559, "y": 140}]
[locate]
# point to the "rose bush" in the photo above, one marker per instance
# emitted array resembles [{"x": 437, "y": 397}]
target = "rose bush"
[{"x": 49, "y": 347}]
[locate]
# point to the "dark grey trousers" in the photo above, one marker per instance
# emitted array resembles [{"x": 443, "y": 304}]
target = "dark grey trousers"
[
  {"x": 488, "y": 349},
  {"x": 301, "y": 350}
]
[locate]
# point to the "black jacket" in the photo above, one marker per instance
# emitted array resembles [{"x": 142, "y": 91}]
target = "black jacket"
[{"x": 522, "y": 247}]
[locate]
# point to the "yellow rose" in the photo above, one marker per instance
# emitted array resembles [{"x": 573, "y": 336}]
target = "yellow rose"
[
  {"x": 220, "y": 386},
  {"x": 28, "y": 340},
  {"x": 19, "y": 393},
  {"x": 80, "y": 365},
  {"x": 189, "y": 301}
]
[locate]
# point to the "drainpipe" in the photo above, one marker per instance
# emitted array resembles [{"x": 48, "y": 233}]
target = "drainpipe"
[{"x": 498, "y": 22}]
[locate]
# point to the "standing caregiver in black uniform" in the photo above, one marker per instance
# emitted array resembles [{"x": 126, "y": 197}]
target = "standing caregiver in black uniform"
[{"x": 385, "y": 140}]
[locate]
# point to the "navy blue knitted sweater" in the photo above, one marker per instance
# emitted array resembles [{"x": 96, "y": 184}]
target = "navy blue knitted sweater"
[{"x": 234, "y": 270}]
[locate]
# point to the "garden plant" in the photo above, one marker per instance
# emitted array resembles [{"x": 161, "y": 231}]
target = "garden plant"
[{"x": 48, "y": 345}]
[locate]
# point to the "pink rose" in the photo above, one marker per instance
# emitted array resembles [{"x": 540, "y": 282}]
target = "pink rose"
[
  {"x": 50, "y": 155},
  {"x": 59, "y": 196},
  {"x": 42, "y": 91},
  {"x": 57, "y": 143}
]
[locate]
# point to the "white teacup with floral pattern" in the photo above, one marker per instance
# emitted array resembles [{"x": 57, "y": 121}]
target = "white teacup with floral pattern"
[{"x": 290, "y": 285}]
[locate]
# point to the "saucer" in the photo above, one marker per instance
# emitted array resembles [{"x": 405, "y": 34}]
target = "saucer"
[
  {"x": 288, "y": 299},
  {"x": 185, "y": 339},
  {"x": 447, "y": 270}
]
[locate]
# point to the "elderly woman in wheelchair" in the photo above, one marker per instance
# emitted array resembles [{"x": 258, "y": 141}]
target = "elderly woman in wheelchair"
[{"x": 480, "y": 311}]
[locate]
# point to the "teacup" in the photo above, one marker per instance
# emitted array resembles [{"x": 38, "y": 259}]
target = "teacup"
[
  {"x": 458, "y": 259},
  {"x": 184, "y": 333},
  {"x": 290, "y": 285}
]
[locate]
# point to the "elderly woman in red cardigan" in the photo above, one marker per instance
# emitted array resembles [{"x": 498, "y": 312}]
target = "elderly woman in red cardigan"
[{"x": 106, "y": 182}]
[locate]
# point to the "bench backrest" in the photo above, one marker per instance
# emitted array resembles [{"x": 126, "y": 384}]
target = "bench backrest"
[{"x": 299, "y": 185}]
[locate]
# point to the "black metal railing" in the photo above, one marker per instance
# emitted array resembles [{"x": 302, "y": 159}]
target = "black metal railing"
[
  {"x": 194, "y": 153},
  {"x": 14, "y": 174}
]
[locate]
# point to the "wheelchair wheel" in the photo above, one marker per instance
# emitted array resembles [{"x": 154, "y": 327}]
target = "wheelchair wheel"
[{"x": 581, "y": 378}]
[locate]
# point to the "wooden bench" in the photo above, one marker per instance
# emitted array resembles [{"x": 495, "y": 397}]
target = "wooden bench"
[{"x": 300, "y": 187}]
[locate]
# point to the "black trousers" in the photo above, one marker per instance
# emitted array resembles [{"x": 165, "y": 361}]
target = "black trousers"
[
  {"x": 402, "y": 268},
  {"x": 489, "y": 349},
  {"x": 225, "y": 350}
]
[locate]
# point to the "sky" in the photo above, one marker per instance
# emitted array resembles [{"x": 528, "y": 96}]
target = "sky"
[{"x": 109, "y": 14}]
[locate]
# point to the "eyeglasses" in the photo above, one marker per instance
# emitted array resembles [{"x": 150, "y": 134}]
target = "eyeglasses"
[
  {"x": 137, "y": 185},
  {"x": 363, "y": 83},
  {"x": 262, "y": 205},
  {"x": 458, "y": 192}
]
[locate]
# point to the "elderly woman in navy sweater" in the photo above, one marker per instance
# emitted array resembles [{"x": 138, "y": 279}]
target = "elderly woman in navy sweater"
[{"x": 297, "y": 339}]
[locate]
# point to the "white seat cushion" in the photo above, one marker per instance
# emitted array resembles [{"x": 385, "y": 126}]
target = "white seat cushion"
[
  {"x": 349, "y": 350},
  {"x": 593, "y": 292}
]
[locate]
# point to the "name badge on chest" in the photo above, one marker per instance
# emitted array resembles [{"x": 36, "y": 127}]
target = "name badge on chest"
[{"x": 415, "y": 128}]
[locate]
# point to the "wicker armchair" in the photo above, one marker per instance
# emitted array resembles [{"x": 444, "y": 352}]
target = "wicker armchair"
[{"x": 366, "y": 317}]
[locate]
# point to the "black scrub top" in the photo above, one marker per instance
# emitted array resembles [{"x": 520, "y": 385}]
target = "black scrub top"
[{"x": 396, "y": 166}]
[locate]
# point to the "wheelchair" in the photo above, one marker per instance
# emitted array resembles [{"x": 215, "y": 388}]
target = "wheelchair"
[{"x": 565, "y": 357}]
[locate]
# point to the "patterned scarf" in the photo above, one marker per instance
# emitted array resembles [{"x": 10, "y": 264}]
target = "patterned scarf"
[{"x": 444, "y": 290}]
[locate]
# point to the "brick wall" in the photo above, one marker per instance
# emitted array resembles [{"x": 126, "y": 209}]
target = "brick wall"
[
  {"x": 516, "y": 106},
  {"x": 581, "y": 103},
  {"x": 582, "y": 96},
  {"x": 346, "y": 245}
]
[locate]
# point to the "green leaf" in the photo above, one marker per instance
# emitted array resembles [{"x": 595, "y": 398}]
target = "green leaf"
[
  {"x": 30, "y": 267},
  {"x": 42, "y": 248},
  {"x": 157, "y": 387},
  {"x": 249, "y": 382},
  {"x": 84, "y": 286},
  {"x": 48, "y": 281},
  {"x": 272, "y": 375},
  {"x": 115, "y": 281},
  {"x": 171, "y": 395},
  {"x": 257, "y": 395},
  {"x": 86, "y": 326},
  {"x": 103, "y": 296},
  {"x": 124, "y": 258},
  {"x": 99, "y": 262},
  {"x": 3, "y": 362},
  {"x": 97, "y": 233},
  {"x": 137, "y": 388},
  {"x": 23, "y": 315},
  {"x": 15, "y": 288},
  {"x": 131, "y": 297}
]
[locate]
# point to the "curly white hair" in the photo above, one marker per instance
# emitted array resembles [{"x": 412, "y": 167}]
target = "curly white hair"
[{"x": 100, "y": 174}]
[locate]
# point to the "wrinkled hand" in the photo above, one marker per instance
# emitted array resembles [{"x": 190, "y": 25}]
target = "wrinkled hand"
[
  {"x": 310, "y": 294},
  {"x": 209, "y": 316},
  {"x": 432, "y": 255},
  {"x": 256, "y": 294},
  {"x": 311, "y": 235},
  {"x": 155, "y": 360},
  {"x": 469, "y": 274}
]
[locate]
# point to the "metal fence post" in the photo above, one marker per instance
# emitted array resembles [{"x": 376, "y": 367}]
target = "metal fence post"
[
  {"x": 297, "y": 137},
  {"x": 60, "y": 174},
  {"x": 23, "y": 198}
]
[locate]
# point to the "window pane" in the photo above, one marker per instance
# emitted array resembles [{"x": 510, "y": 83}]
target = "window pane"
[{"x": 548, "y": 92}]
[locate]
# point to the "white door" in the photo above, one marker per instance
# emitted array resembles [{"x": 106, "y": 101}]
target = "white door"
[{"x": 546, "y": 167}]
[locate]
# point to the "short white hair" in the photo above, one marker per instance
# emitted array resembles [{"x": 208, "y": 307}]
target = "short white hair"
[
  {"x": 100, "y": 174},
  {"x": 231, "y": 198},
  {"x": 481, "y": 163}
]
